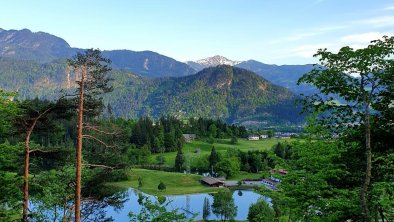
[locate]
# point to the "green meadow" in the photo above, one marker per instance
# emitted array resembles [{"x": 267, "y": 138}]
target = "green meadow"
[{"x": 198, "y": 148}]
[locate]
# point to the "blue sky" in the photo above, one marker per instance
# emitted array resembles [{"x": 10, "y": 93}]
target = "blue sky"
[{"x": 270, "y": 31}]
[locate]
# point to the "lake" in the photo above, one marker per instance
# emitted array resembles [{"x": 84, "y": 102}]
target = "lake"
[{"x": 187, "y": 203}]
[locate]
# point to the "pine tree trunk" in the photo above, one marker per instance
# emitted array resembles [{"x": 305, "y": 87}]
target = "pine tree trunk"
[
  {"x": 367, "y": 180},
  {"x": 26, "y": 167},
  {"x": 78, "y": 173},
  {"x": 26, "y": 176}
]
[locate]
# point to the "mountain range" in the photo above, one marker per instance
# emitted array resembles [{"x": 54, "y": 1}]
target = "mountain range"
[
  {"x": 34, "y": 64},
  {"x": 43, "y": 48}
]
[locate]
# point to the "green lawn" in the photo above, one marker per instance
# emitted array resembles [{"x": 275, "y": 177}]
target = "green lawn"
[
  {"x": 245, "y": 175},
  {"x": 176, "y": 183},
  {"x": 220, "y": 146}
]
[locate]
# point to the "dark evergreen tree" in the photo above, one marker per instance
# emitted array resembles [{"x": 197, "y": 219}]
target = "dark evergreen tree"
[
  {"x": 179, "y": 161},
  {"x": 213, "y": 159}
]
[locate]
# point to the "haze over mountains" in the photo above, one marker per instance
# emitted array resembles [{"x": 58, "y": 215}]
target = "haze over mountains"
[{"x": 34, "y": 64}]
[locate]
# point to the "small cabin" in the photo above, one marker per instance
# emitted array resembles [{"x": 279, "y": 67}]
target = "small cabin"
[{"x": 213, "y": 182}]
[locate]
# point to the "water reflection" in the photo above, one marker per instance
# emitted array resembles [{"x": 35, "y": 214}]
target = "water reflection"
[
  {"x": 188, "y": 204},
  {"x": 116, "y": 206}
]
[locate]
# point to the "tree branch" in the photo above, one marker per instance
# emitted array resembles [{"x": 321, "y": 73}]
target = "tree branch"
[
  {"x": 98, "y": 165},
  {"x": 98, "y": 140},
  {"x": 43, "y": 151},
  {"x": 90, "y": 127}
]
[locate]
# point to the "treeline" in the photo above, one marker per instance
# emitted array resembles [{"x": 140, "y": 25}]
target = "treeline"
[
  {"x": 163, "y": 136},
  {"x": 204, "y": 127},
  {"x": 166, "y": 134}
]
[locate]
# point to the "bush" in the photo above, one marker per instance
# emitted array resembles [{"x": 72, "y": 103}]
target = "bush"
[
  {"x": 161, "y": 186},
  {"x": 261, "y": 212},
  {"x": 234, "y": 140}
]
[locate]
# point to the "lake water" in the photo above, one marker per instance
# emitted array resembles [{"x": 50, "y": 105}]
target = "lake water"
[{"x": 191, "y": 203}]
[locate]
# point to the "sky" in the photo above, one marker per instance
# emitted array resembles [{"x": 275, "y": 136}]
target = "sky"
[{"x": 270, "y": 31}]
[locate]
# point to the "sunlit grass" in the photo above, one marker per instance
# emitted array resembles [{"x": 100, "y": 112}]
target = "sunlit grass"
[{"x": 176, "y": 183}]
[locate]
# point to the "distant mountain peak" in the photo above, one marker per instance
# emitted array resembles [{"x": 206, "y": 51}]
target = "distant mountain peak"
[
  {"x": 217, "y": 60},
  {"x": 211, "y": 62}
]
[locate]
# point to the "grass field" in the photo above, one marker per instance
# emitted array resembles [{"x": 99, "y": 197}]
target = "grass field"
[
  {"x": 220, "y": 146},
  {"x": 176, "y": 183},
  {"x": 179, "y": 183}
]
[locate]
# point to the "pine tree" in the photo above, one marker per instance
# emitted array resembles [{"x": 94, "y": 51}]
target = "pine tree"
[
  {"x": 91, "y": 69},
  {"x": 179, "y": 160},
  {"x": 213, "y": 159}
]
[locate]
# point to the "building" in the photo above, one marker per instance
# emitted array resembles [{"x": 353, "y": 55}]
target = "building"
[
  {"x": 269, "y": 183},
  {"x": 263, "y": 136},
  {"x": 213, "y": 182},
  {"x": 189, "y": 137},
  {"x": 280, "y": 171},
  {"x": 253, "y": 137}
]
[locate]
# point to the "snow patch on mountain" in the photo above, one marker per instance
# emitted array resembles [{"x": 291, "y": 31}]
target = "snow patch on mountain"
[{"x": 217, "y": 60}]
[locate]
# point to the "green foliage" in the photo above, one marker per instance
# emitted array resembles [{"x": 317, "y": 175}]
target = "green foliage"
[
  {"x": 282, "y": 150},
  {"x": 8, "y": 112},
  {"x": 161, "y": 186},
  {"x": 355, "y": 104},
  {"x": 255, "y": 161},
  {"x": 223, "y": 205},
  {"x": 10, "y": 194},
  {"x": 52, "y": 192},
  {"x": 212, "y": 130},
  {"x": 160, "y": 159},
  {"x": 179, "y": 161},
  {"x": 165, "y": 136},
  {"x": 213, "y": 159},
  {"x": 261, "y": 212},
  {"x": 234, "y": 140},
  {"x": 228, "y": 167},
  {"x": 315, "y": 182},
  {"x": 156, "y": 211}
]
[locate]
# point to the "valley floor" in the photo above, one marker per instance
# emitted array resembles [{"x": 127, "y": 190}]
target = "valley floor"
[{"x": 180, "y": 183}]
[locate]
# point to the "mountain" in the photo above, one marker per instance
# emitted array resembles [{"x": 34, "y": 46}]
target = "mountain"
[
  {"x": 210, "y": 62},
  {"x": 27, "y": 45},
  {"x": 284, "y": 75},
  {"x": 43, "y": 48},
  {"x": 147, "y": 63},
  {"x": 229, "y": 93}
]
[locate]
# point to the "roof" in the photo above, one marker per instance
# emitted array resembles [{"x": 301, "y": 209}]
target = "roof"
[
  {"x": 270, "y": 181},
  {"x": 280, "y": 171},
  {"x": 211, "y": 180}
]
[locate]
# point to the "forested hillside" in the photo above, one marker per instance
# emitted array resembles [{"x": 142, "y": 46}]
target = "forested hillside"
[{"x": 232, "y": 94}]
